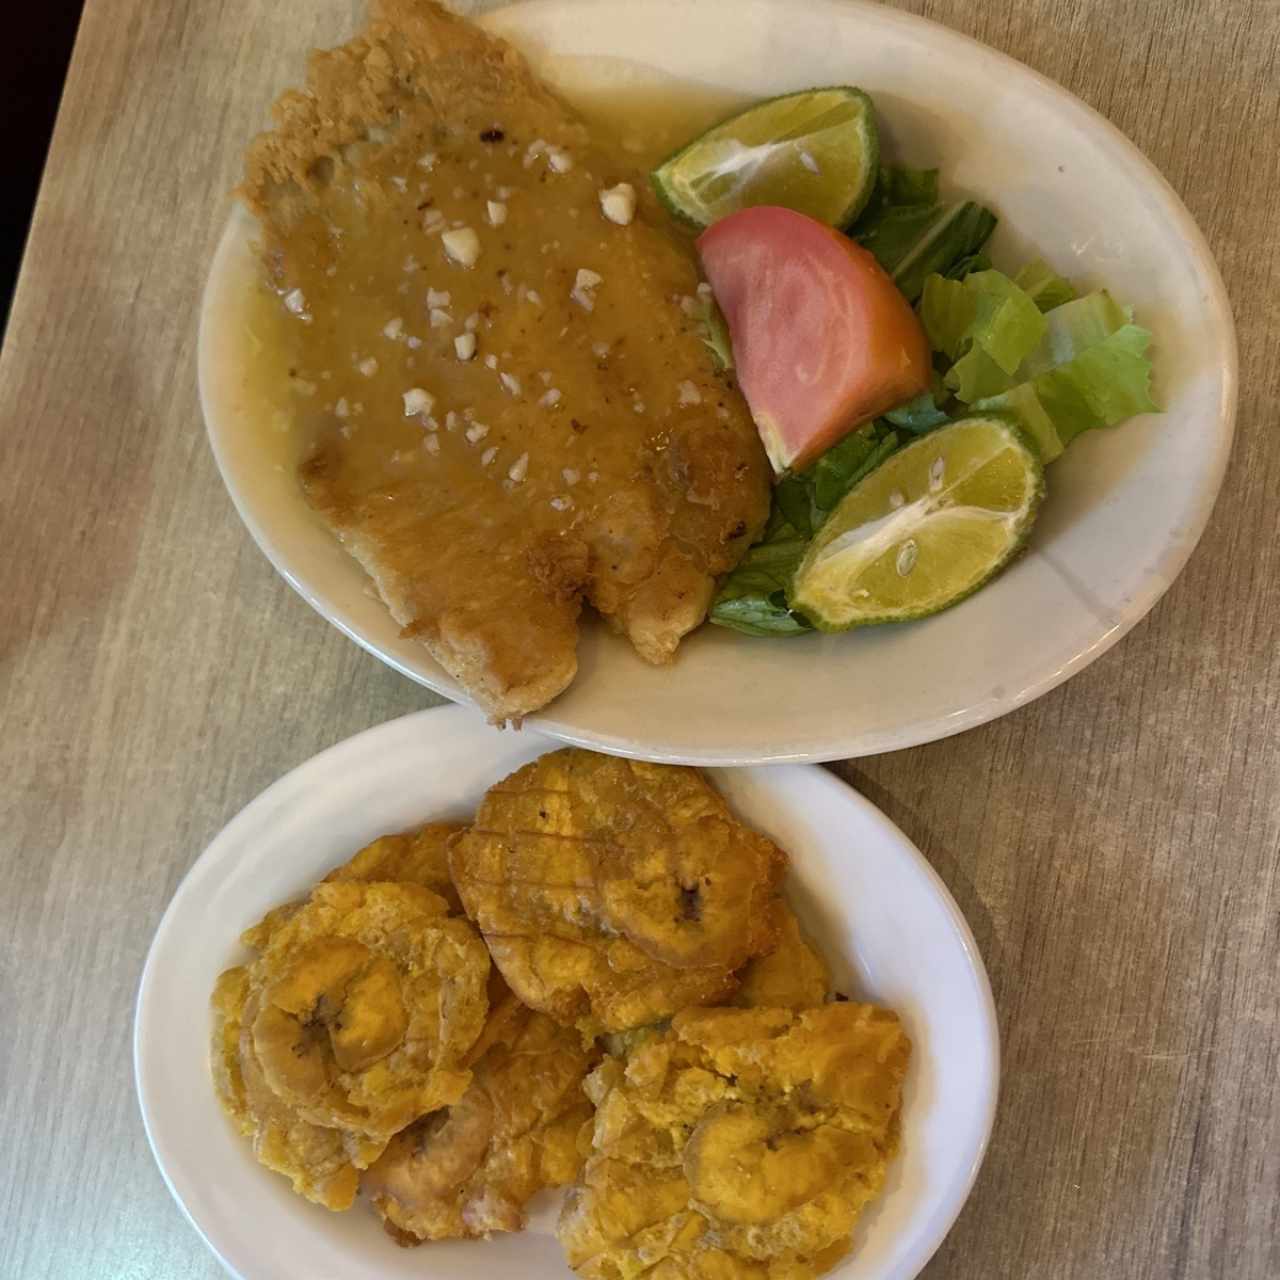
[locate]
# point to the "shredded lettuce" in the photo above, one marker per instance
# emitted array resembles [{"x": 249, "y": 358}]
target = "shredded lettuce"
[{"x": 913, "y": 234}]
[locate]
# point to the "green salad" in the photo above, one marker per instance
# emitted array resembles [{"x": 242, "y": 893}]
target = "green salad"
[{"x": 1025, "y": 360}]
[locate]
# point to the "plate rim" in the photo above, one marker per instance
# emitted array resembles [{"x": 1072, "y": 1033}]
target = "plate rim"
[
  {"x": 1148, "y": 591},
  {"x": 439, "y": 721}
]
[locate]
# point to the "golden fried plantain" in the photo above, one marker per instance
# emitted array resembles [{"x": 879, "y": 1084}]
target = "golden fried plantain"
[
  {"x": 413, "y": 857},
  {"x": 409, "y": 857},
  {"x": 739, "y": 1144},
  {"x": 371, "y": 999},
  {"x": 468, "y": 1170},
  {"x": 321, "y": 1163},
  {"x": 613, "y": 893},
  {"x": 792, "y": 976}
]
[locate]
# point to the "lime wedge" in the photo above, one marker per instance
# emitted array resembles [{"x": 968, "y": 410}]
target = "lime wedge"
[
  {"x": 815, "y": 152},
  {"x": 925, "y": 529}
]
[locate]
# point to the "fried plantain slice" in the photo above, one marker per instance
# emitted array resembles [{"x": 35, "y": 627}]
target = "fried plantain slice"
[
  {"x": 469, "y": 1170},
  {"x": 371, "y": 999},
  {"x": 321, "y": 1163},
  {"x": 738, "y": 1144},
  {"x": 612, "y": 892},
  {"x": 412, "y": 857},
  {"x": 792, "y": 976}
]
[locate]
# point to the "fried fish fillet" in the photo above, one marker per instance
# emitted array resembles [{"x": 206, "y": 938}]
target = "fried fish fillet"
[
  {"x": 518, "y": 413},
  {"x": 611, "y": 892},
  {"x": 740, "y": 1145},
  {"x": 469, "y": 1169}
]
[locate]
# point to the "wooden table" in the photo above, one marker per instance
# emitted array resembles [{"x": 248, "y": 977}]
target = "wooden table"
[{"x": 1115, "y": 846}]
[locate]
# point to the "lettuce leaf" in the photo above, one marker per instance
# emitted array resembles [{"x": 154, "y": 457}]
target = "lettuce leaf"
[
  {"x": 1105, "y": 383},
  {"x": 1043, "y": 285},
  {"x": 1060, "y": 369},
  {"x": 919, "y": 416},
  {"x": 986, "y": 324},
  {"x": 1074, "y": 327},
  {"x": 753, "y": 598},
  {"x": 715, "y": 332},
  {"x": 913, "y": 234},
  {"x": 808, "y": 497}
]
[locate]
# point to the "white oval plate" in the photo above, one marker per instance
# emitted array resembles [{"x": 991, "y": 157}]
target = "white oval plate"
[
  {"x": 862, "y": 890},
  {"x": 1125, "y": 508}
]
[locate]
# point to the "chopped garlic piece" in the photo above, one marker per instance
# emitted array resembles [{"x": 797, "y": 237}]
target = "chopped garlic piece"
[
  {"x": 368, "y": 366},
  {"x": 295, "y": 301},
  {"x": 462, "y": 245},
  {"x": 584, "y": 284},
  {"x": 689, "y": 393},
  {"x": 488, "y": 455},
  {"x": 549, "y": 399},
  {"x": 416, "y": 400},
  {"x": 431, "y": 444},
  {"x": 440, "y": 318},
  {"x": 497, "y": 212},
  {"x": 518, "y": 469},
  {"x": 477, "y": 432},
  {"x": 465, "y": 345},
  {"x": 618, "y": 204},
  {"x": 511, "y": 382},
  {"x": 393, "y": 329},
  {"x": 559, "y": 160},
  {"x": 439, "y": 297}
]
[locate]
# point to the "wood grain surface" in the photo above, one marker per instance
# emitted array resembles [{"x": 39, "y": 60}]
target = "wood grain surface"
[{"x": 1115, "y": 845}]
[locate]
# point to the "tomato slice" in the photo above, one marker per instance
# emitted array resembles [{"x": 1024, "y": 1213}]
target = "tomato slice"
[{"x": 822, "y": 338}]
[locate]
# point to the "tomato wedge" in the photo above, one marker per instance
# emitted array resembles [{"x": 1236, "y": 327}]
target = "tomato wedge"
[{"x": 822, "y": 338}]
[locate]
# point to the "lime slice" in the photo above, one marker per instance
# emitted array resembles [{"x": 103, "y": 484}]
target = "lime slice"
[
  {"x": 925, "y": 529},
  {"x": 815, "y": 152}
]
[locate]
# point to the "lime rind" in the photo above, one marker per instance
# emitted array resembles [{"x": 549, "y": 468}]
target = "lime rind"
[
  {"x": 861, "y": 569},
  {"x": 804, "y": 179}
]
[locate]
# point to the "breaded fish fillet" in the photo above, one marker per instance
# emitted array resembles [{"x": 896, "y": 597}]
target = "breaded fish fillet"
[{"x": 517, "y": 411}]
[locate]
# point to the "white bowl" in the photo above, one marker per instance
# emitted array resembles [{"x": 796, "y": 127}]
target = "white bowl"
[
  {"x": 860, "y": 887},
  {"x": 1125, "y": 507}
]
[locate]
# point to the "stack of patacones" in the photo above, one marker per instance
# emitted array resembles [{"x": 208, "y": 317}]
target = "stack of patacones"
[{"x": 597, "y": 984}]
